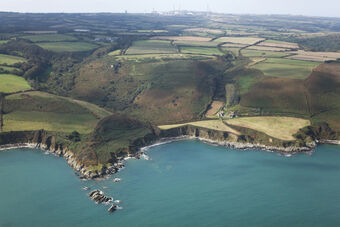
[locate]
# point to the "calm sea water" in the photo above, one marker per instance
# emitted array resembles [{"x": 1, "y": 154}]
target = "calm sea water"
[{"x": 187, "y": 183}]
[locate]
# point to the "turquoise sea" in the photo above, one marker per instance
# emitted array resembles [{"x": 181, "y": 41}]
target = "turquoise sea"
[{"x": 186, "y": 183}]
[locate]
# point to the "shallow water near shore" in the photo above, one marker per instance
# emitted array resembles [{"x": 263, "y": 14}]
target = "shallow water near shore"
[{"x": 186, "y": 183}]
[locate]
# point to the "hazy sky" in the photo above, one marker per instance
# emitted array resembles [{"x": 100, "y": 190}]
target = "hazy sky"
[{"x": 299, "y": 7}]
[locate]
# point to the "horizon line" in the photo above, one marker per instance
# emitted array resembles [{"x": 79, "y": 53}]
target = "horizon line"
[{"x": 158, "y": 12}]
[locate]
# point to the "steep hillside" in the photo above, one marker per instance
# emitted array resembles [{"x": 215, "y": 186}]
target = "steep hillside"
[{"x": 156, "y": 90}]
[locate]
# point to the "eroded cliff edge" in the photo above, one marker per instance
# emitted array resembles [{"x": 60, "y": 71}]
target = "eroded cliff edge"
[{"x": 116, "y": 138}]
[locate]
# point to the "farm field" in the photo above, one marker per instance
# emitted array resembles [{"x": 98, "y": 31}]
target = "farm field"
[
  {"x": 8, "y": 68},
  {"x": 67, "y": 46},
  {"x": 151, "y": 47},
  {"x": 196, "y": 43},
  {"x": 204, "y": 30},
  {"x": 314, "y": 56},
  {"x": 261, "y": 53},
  {"x": 239, "y": 40},
  {"x": 278, "y": 67},
  {"x": 3, "y": 41},
  {"x": 279, "y": 44},
  {"x": 267, "y": 48},
  {"x": 200, "y": 50},
  {"x": 234, "y": 45},
  {"x": 115, "y": 53},
  {"x": 65, "y": 101},
  {"x": 278, "y": 127},
  {"x": 59, "y": 122},
  {"x": 10, "y": 60},
  {"x": 183, "y": 38},
  {"x": 37, "y": 110},
  {"x": 210, "y": 124},
  {"x": 11, "y": 83},
  {"x": 49, "y": 38}
]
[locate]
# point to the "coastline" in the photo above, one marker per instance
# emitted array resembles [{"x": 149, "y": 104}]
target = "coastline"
[
  {"x": 85, "y": 173},
  {"x": 237, "y": 145}
]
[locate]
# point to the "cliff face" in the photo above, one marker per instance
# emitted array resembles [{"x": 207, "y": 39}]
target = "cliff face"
[
  {"x": 247, "y": 139},
  {"x": 203, "y": 133},
  {"x": 61, "y": 147},
  {"x": 1, "y": 111}
]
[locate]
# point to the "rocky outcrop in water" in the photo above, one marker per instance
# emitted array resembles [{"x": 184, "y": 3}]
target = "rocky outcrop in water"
[
  {"x": 112, "y": 208},
  {"x": 99, "y": 197}
]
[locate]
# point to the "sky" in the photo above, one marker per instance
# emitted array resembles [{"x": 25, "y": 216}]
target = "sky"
[{"x": 328, "y": 8}]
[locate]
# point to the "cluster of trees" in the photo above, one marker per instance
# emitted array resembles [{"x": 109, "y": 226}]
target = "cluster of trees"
[{"x": 322, "y": 43}]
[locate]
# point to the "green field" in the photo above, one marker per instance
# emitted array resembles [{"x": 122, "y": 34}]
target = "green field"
[
  {"x": 239, "y": 40},
  {"x": 278, "y": 127},
  {"x": 8, "y": 68},
  {"x": 210, "y": 124},
  {"x": 195, "y": 43},
  {"x": 115, "y": 52},
  {"x": 49, "y": 38},
  {"x": 11, "y": 83},
  {"x": 3, "y": 41},
  {"x": 10, "y": 60},
  {"x": 39, "y": 110},
  {"x": 247, "y": 79},
  {"x": 200, "y": 50},
  {"x": 68, "y": 46},
  {"x": 152, "y": 47},
  {"x": 259, "y": 53},
  {"x": 279, "y": 67},
  {"x": 60, "y": 122}
]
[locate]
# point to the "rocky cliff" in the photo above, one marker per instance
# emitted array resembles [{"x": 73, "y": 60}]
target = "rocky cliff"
[{"x": 61, "y": 147}]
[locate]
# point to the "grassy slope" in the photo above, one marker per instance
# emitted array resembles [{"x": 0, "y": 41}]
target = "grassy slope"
[
  {"x": 10, "y": 60},
  {"x": 286, "y": 68},
  {"x": 155, "y": 90},
  {"x": 113, "y": 136},
  {"x": 324, "y": 94},
  {"x": 59, "y": 122},
  {"x": 38, "y": 110},
  {"x": 278, "y": 127},
  {"x": 11, "y": 83}
]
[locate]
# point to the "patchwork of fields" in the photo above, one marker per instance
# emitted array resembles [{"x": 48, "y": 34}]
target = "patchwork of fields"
[{"x": 173, "y": 73}]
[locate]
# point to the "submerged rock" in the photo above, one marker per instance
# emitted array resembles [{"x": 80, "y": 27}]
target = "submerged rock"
[{"x": 112, "y": 208}]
